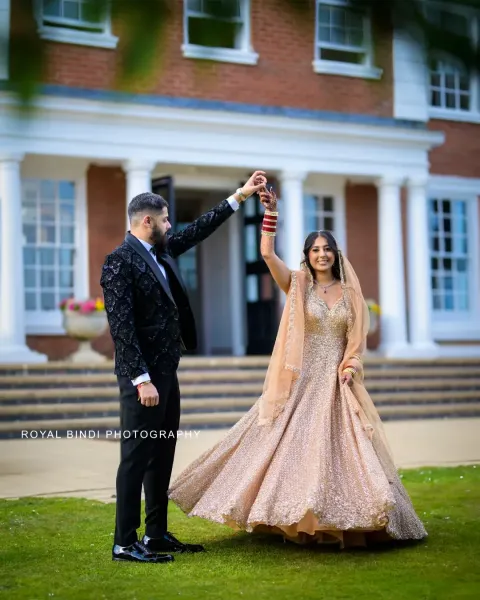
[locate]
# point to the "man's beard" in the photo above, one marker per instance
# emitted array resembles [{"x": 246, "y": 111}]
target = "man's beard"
[{"x": 159, "y": 239}]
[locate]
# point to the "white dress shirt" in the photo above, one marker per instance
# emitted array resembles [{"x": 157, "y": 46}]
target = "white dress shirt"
[{"x": 235, "y": 205}]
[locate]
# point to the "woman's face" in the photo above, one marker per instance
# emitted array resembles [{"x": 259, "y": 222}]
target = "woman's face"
[{"x": 321, "y": 256}]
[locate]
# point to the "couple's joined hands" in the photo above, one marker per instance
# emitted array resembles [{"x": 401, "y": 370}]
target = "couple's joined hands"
[{"x": 258, "y": 184}]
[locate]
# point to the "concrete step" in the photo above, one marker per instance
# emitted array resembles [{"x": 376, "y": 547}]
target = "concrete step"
[
  {"x": 217, "y": 419},
  {"x": 223, "y": 376},
  {"x": 46, "y": 410},
  {"x": 29, "y": 396},
  {"x": 229, "y": 362}
]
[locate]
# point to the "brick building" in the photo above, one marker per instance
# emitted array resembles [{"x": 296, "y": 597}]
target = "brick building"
[{"x": 360, "y": 135}]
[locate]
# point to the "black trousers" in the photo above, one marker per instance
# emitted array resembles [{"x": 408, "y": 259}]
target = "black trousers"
[{"x": 147, "y": 450}]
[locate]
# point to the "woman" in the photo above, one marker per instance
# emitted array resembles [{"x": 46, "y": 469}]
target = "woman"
[{"x": 310, "y": 460}]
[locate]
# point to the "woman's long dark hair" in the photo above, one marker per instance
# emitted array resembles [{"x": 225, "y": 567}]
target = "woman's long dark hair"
[{"x": 310, "y": 241}]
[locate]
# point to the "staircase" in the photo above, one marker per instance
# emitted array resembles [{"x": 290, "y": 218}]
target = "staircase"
[{"x": 216, "y": 392}]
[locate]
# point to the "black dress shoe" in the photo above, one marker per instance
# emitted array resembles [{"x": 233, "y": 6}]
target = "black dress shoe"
[
  {"x": 138, "y": 552},
  {"x": 169, "y": 543}
]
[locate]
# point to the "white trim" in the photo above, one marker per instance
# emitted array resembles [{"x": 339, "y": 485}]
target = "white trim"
[
  {"x": 84, "y": 128},
  {"x": 451, "y": 325},
  {"x": 4, "y": 38},
  {"x": 81, "y": 38},
  {"x": 60, "y": 169},
  {"x": 243, "y": 54},
  {"x": 348, "y": 70},
  {"x": 453, "y": 115},
  {"x": 365, "y": 70},
  {"x": 229, "y": 55}
]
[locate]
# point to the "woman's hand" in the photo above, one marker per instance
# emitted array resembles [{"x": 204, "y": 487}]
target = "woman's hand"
[
  {"x": 347, "y": 378},
  {"x": 268, "y": 199}
]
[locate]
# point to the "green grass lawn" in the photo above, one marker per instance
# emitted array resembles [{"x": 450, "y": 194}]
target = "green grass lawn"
[{"x": 60, "y": 549}]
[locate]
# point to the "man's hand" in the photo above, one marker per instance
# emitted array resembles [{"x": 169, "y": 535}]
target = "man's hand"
[
  {"x": 268, "y": 199},
  {"x": 148, "y": 395},
  {"x": 256, "y": 182}
]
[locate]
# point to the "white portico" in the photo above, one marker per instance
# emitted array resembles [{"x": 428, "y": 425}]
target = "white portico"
[{"x": 213, "y": 150}]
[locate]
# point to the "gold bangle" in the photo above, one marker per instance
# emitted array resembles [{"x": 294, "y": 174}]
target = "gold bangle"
[
  {"x": 271, "y": 213},
  {"x": 268, "y": 233}
]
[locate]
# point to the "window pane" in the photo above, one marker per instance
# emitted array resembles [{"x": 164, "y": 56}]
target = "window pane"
[
  {"x": 66, "y": 278},
  {"x": 66, "y": 191},
  {"x": 29, "y": 234},
  {"x": 67, "y": 213},
  {"x": 66, "y": 258},
  {"x": 354, "y": 58},
  {"x": 71, "y": 10},
  {"x": 30, "y": 301},
  {"x": 252, "y": 288},
  {"x": 47, "y": 212},
  {"x": 434, "y": 264},
  {"x": 447, "y": 264},
  {"x": 29, "y": 214},
  {"x": 29, "y": 255},
  {"x": 461, "y": 265},
  {"x": 324, "y": 15},
  {"x": 47, "y": 234},
  {"x": 47, "y": 190},
  {"x": 47, "y": 301},
  {"x": 47, "y": 256},
  {"x": 328, "y": 204},
  {"x": 51, "y": 8},
  {"x": 324, "y": 34},
  {"x": 437, "y": 302},
  {"x": 251, "y": 246},
  {"x": 66, "y": 235},
  {"x": 448, "y": 244},
  {"x": 328, "y": 224},
  {"x": 449, "y": 304},
  {"x": 30, "y": 278},
  {"x": 462, "y": 302},
  {"x": 47, "y": 279},
  {"x": 462, "y": 283}
]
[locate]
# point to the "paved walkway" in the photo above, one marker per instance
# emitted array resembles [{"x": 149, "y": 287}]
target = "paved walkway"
[{"x": 87, "y": 468}]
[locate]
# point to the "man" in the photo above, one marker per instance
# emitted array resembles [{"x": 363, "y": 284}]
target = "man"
[{"x": 151, "y": 322}]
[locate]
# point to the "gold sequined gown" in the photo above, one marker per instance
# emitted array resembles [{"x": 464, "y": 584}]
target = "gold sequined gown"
[{"x": 312, "y": 477}]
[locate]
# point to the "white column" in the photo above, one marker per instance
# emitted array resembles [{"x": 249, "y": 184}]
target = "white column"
[
  {"x": 237, "y": 299},
  {"x": 13, "y": 347},
  {"x": 419, "y": 287},
  {"x": 139, "y": 179},
  {"x": 291, "y": 189},
  {"x": 391, "y": 269}
]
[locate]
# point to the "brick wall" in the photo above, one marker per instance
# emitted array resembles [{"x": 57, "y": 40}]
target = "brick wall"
[
  {"x": 283, "y": 76},
  {"x": 459, "y": 155},
  {"x": 362, "y": 240}
]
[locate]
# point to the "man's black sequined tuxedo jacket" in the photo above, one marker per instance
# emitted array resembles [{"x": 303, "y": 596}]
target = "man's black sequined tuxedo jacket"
[{"x": 151, "y": 319}]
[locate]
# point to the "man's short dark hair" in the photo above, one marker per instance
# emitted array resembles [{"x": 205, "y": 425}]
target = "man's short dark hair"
[{"x": 146, "y": 202}]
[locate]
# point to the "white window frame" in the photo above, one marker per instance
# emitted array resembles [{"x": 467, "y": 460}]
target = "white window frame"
[
  {"x": 243, "y": 55},
  {"x": 40, "y": 322},
  {"x": 59, "y": 29},
  {"x": 367, "y": 70},
  {"x": 454, "y": 114},
  {"x": 460, "y": 325}
]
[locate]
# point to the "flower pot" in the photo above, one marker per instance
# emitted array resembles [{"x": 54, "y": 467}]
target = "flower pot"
[
  {"x": 373, "y": 323},
  {"x": 84, "y": 328}
]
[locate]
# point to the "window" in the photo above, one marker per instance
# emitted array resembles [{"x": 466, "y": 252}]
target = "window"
[
  {"x": 218, "y": 30},
  {"x": 343, "y": 41},
  {"x": 450, "y": 255},
  {"x": 48, "y": 216},
  {"x": 319, "y": 213},
  {"x": 73, "y": 21},
  {"x": 453, "y": 90}
]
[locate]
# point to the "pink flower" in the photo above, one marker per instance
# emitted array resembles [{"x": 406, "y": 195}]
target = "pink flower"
[{"x": 87, "y": 307}]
